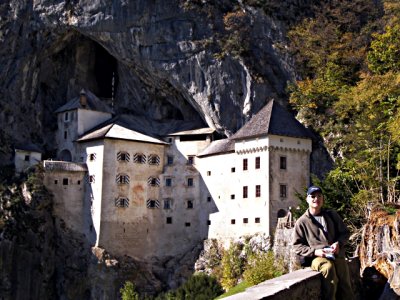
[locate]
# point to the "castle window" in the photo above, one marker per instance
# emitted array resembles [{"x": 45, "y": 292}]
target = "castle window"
[
  {"x": 233, "y": 170},
  {"x": 26, "y": 158},
  {"x": 187, "y": 224},
  {"x": 208, "y": 173},
  {"x": 258, "y": 190},
  {"x": 233, "y": 221},
  {"x": 245, "y": 164},
  {"x": 154, "y": 159},
  {"x": 123, "y": 156},
  {"x": 170, "y": 160},
  {"x": 139, "y": 158},
  {"x": 65, "y": 181},
  {"x": 152, "y": 203},
  {"x": 209, "y": 199},
  {"x": 153, "y": 181},
  {"x": 282, "y": 162},
  {"x": 258, "y": 162},
  {"x": 169, "y": 220},
  {"x": 190, "y": 181},
  {"x": 55, "y": 181},
  {"x": 283, "y": 191},
  {"x": 91, "y": 179},
  {"x": 190, "y": 160},
  {"x": 78, "y": 182},
  {"x": 66, "y": 117},
  {"x": 168, "y": 181},
  {"x": 208, "y": 222},
  {"x": 233, "y": 196},
  {"x": 189, "y": 204},
  {"x": 122, "y": 179},
  {"x": 65, "y": 135},
  {"x": 122, "y": 202},
  {"x": 92, "y": 156},
  {"x": 257, "y": 220},
  {"x": 167, "y": 203},
  {"x": 245, "y": 220},
  {"x": 245, "y": 191}
]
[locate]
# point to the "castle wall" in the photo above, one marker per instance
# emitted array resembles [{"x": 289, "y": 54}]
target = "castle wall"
[
  {"x": 94, "y": 152},
  {"x": 87, "y": 119},
  {"x": 67, "y": 183},
  {"x": 25, "y": 159}
]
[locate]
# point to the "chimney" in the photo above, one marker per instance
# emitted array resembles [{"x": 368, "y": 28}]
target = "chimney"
[{"x": 83, "y": 98}]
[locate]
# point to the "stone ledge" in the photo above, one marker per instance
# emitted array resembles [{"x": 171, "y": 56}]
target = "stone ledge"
[{"x": 301, "y": 284}]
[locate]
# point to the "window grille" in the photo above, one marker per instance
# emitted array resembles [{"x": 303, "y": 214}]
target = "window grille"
[
  {"x": 154, "y": 159},
  {"x": 122, "y": 202},
  {"x": 122, "y": 179},
  {"x": 139, "y": 158},
  {"x": 90, "y": 179},
  {"x": 123, "y": 156},
  {"x": 153, "y": 181},
  {"x": 92, "y": 156},
  {"x": 153, "y": 203}
]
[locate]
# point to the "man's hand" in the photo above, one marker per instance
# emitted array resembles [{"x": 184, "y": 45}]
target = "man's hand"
[
  {"x": 319, "y": 252},
  {"x": 335, "y": 248}
]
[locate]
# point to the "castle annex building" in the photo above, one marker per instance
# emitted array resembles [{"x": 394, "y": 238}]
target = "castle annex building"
[{"x": 156, "y": 189}]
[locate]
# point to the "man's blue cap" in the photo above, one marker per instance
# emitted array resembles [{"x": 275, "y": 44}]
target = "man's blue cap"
[{"x": 313, "y": 189}]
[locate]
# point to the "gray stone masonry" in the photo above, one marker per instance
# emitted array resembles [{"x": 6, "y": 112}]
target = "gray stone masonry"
[{"x": 301, "y": 284}]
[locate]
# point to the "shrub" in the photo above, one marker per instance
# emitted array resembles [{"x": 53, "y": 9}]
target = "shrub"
[
  {"x": 263, "y": 266},
  {"x": 199, "y": 287},
  {"x": 128, "y": 291}
]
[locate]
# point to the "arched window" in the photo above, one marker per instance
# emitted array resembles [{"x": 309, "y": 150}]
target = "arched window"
[
  {"x": 281, "y": 213},
  {"x": 154, "y": 159},
  {"x": 122, "y": 179},
  {"x": 123, "y": 156},
  {"x": 139, "y": 158},
  {"x": 122, "y": 202},
  {"x": 153, "y": 181}
]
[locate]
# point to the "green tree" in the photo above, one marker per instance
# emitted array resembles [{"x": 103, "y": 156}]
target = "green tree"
[
  {"x": 384, "y": 54},
  {"x": 128, "y": 291}
]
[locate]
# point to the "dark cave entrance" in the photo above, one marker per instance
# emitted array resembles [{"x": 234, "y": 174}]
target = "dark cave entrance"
[{"x": 105, "y": 73}]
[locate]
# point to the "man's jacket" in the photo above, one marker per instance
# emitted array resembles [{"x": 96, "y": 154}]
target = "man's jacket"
[{"x": 309, "y": 234}]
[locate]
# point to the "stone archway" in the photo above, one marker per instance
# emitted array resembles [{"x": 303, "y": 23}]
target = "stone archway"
[{"x": 65, "y": 155}]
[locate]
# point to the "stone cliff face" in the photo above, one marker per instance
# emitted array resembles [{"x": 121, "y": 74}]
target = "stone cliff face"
[{"x": 210, "y": 62}]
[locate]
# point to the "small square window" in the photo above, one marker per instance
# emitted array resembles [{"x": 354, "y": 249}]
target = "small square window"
[
  {"x": 190, "y": 181},
  {"x": 233, "y": 221},
  {"x": 167, "y": 203},
  {"x": 91, "y": 179},
  {"x": 65, "y": 181},
  {"x": 170, "y": 140},
  {"x": 245, "y": 164},
  {"x": 257, "y": 220},
  {"x": 26, "y": 158},
  {"x": 189, "y": 204},
  {"x": 78, "y": 182},
  {"x": 282, "y": 163},
  {"x": 283, "y": 191},
  {"x": 209, "y": 199},
  {"x": 245, "y": 192},
  {"x": 233, "y": 196},
  {"x": 168, "y": 181},
  {"x": 245, "y": 220},
  {"x": 170, "y": 159},
  {"x": 208, "y": 222},
  {"x": 190, "y": 160},
  {"x": 187, "y": 224},
  {"x": 169, "y": 220},
  {"x": 92, "y": 156},
  {"x": 258, "y": 162},
  {"x": 258, "y": 190},
  {"x": 208, "y": 173},
  {"x": 56, "y": 181},
  {"x": 233, "y": 170}
]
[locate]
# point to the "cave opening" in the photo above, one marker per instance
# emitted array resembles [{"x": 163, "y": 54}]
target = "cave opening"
[{"x": 105, "y": 72}]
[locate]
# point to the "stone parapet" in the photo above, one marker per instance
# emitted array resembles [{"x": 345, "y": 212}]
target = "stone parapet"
[{"x": 301, "y": 284}]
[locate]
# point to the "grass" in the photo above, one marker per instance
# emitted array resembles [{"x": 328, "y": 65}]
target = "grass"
[{"x": 236, "y": 289}]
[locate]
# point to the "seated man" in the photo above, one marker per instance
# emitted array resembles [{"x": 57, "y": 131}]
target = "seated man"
[{"x": 319, "y": 238}]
